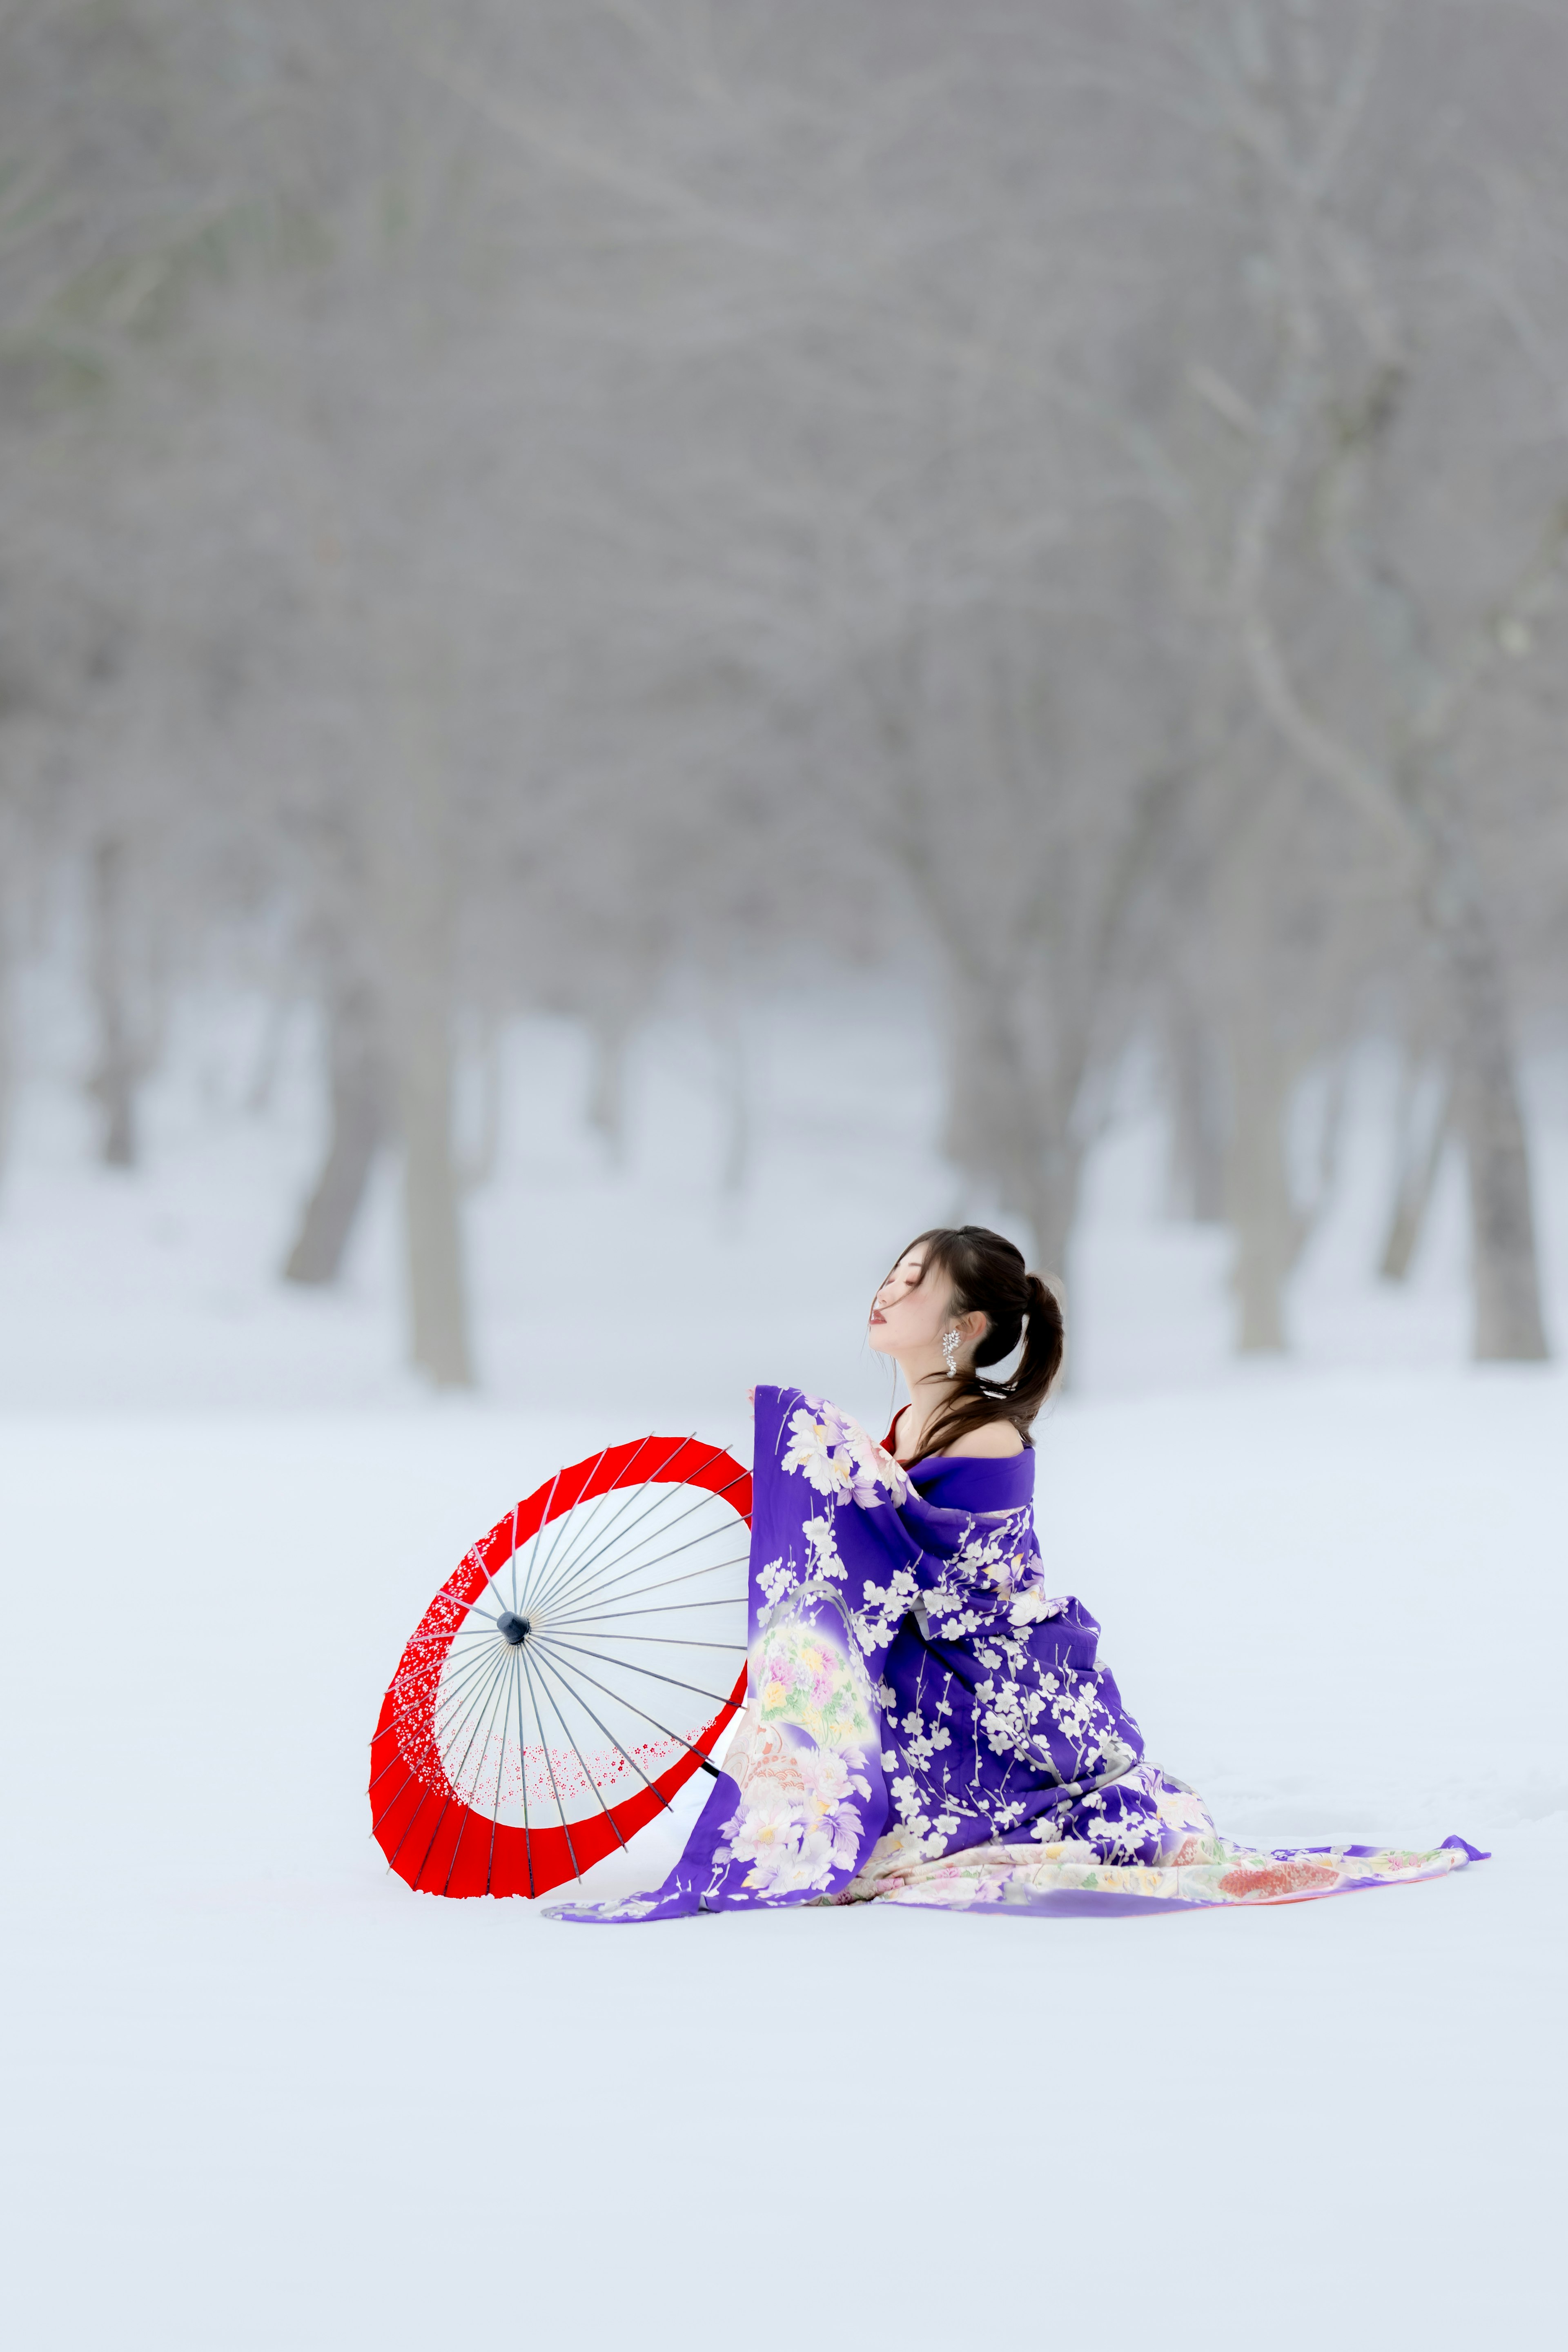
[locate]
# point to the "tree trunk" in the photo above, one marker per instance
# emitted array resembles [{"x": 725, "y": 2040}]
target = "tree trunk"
[
  {"x": 1418, "y": 1161},
  {"x": 1197, "y": 1123},
  {"x": 8, "y": 1042},
  {"x": 1487, "y": 1112},
  {"x": 414, "y": 884},
  {"x": 735, "y": 1094},
  {"x": 1004, "y": 1126},
  {"x": 118, "y": 1067},
  {"x": 359, "y": 1120},
  {"x": 1407, "y": 800},
  {"x": 1262, "y": 1213},
  {"x": 608, "y": 1036},
  {"x": 477, "y": 1165},
  {"x": 1488, "y": 1117},
  {"x": 1051, "y": 1207},
  {"x": 436, "y": 1288}
]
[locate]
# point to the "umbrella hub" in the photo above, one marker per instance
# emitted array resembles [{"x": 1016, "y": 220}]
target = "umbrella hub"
[{"x": 515, "y": 1630}]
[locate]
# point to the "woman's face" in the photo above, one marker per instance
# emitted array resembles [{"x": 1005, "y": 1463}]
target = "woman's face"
[{"x": 909, "y": 1315}]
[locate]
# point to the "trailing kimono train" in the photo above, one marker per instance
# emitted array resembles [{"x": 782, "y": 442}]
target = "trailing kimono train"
[{"x": 925, "y": 1725}]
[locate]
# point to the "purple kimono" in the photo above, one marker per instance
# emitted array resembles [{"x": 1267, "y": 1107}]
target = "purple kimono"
[{"x": 926, "y": 1724}]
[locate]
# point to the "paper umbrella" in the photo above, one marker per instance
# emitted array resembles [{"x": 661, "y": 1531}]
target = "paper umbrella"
[{"x": 577, "y": 1666}]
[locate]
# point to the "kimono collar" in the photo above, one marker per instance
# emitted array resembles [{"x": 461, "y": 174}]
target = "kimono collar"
[{"x": 971, "y": 1482}]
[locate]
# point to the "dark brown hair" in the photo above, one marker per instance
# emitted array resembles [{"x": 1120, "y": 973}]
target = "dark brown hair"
[{"x": 989, "y": 1277}]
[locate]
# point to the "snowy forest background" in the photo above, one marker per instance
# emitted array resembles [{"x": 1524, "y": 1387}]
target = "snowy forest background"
[{"x": 644, "y": 645}]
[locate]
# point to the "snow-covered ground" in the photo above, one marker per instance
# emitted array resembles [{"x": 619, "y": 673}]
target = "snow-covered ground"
[
  {"x": 261, "y": 2096},
  {"x": 264, "y": 2096}
]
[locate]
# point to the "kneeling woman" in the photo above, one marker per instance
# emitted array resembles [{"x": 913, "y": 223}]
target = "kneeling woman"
[{"x": 925, "y": 1723}]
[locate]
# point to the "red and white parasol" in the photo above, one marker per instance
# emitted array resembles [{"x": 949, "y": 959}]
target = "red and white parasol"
[{"x": 576, "y": 1667}]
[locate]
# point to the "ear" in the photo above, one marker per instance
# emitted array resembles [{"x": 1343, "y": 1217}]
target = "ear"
[{"x": 972, "y": 1328}]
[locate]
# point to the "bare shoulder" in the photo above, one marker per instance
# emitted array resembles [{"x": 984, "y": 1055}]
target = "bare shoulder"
[{"x": 992, "y": 1440}]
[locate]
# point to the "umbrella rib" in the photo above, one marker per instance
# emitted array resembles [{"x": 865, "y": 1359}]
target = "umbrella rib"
[
  {"x": 570, "y": 1527},
  {"x": 486, "y": 1632},
  {"x": 674, "y": 1486},
  {"x": 665, "y": 1608},
  {"x": 560, "y": 1673},
  {"x": 549, "y": 1591},
  {"x": 451, "y": 1730},
  {"x": 461, "y": 1687},
  {"x": 538, "y": 1532},
  {"x": 626, "y": 1498},
  {"x": 629, "y": 1665},
  {"x": 626, "y": 1562},
  {"x": 454, "y": 1780},
  {"x": 583, "y": 1763},
  {"x": 408, "y": 1824},
  {"x": 580, "y": 1534},
  {"x": 669, "y": 1641},
  {"x": 688, "y": 1575},
  {"x": 575, "y": 1559},
  {"x": 501, "y": 1776},
  {"x": 493, "y": 1691},
  {"x": 428, "y": 1672},
  {"x": 488, "y": 1577},
  {"x": 522, "y": 1781},
  {"x": 550, "y": 1768},
  {"x": 467, "y": 1808},
  {"x": 461, "y": 1681},
  {"x": 462, "y": 1666},
  {"x": 522, "y": 1775},
  {"x": 577, "y": 1527},
  {"x": 625, "y": 1568},
  {"x": 389, "y": 1728},
  {"x": 564, "y": 1522},
  {"x": 379, "y": 1818},
  {"x": 438, "y": 1726},
  {"x": 680, "y": 1740},
  {"x": 708, "y": 1495},
  {"x": 476, "y": 1634},
  {"x": 473, "y": 1606},
  {"x": 396, "y": 1757}
]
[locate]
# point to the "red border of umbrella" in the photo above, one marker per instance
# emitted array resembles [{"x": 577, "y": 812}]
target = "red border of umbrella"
[{"x": 430, "y": 1837}]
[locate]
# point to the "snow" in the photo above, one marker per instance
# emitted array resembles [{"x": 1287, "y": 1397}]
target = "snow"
[{"x": 261, "y": 2096}]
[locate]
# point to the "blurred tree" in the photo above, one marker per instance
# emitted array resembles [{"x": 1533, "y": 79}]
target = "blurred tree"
[
  {"x": 547, "y": 504},
  {"x": 1375, "y": 336}
]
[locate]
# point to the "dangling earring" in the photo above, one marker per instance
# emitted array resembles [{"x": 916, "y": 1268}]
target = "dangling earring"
[{"x": 950, "y": 1354}]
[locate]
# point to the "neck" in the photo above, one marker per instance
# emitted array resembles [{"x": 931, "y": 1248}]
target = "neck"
[{"x": 928, "y": 1386}]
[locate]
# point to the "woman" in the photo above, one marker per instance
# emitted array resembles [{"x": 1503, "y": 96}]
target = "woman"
[{"x": 925, "y": 1723}]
